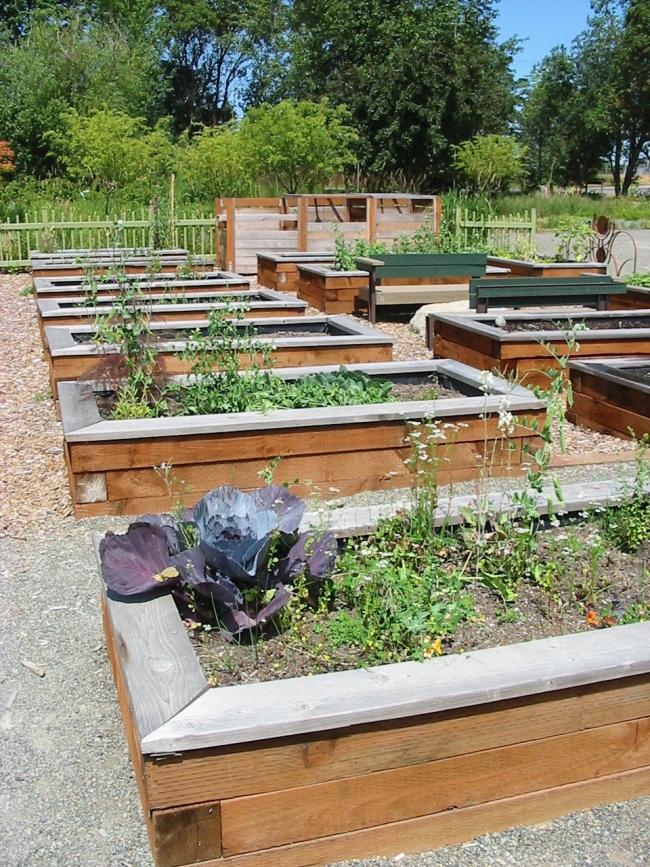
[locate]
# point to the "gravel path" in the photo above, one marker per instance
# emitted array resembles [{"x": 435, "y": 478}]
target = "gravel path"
[{"x": 68, "y": 797}]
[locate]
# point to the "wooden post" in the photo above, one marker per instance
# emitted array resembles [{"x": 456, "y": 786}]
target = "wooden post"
[
  {"x": 231, "y": 258},
  {"x": 371, "y": 218},
  {"x": 172, "y": 210},
  {"x": 437, "y": 214},
  {"x": 303, "y": 223}
]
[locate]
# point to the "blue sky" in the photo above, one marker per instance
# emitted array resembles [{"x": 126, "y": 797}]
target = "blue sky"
[{"x": 542, "y": 24}]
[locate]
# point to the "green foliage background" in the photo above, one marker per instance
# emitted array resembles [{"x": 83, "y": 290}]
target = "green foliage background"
[{"x": 101, "y": 100}]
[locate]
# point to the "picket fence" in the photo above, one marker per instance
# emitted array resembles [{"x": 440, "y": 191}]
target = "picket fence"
[
  {"x": 503, "y": 232},
  {"x": 49, "y": 232}
]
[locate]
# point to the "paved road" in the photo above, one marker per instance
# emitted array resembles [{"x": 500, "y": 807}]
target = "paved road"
[{"x": 623, "y": 250}]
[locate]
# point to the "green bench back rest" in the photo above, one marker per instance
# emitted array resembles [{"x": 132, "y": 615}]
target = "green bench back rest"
[{"x": 428, "y": 265}]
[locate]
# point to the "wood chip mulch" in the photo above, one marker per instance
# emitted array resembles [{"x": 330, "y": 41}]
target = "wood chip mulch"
[{"x": 33, "y": 483}]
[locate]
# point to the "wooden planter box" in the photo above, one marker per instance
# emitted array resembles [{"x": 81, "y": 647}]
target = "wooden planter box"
[
  {"x": 327, "y": 340},
  {"x": 331, "y": 291},
  {"x": 280, "y": 270},
  {"x": 339, "y": 450},
  {"x": 136, "y": 265},
  {"x": 338, "y": 291},
  {"x": 607, "y": 399},
  {"x": 213, "y": 281},
  {"x": 396, "y": 758},
  {"x": 526, "y": 268},
  {"x": 635, "y": 298},
  {"x": 72, "y": 311},
  {"x": 475, "y": 339}
]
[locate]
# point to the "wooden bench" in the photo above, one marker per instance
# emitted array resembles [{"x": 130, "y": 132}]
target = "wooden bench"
[
  {"x": 415, "y": 271},
  {"x": 587, "y": 290}
]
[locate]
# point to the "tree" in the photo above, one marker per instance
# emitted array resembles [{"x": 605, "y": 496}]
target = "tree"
[
  {"x": 594, "y": 101},
  {"x": 300, "y": 145},
  {"x": 417, "y": 77},
  {"x": 614, "y": 56},
  {"x": 213, "y": 163},
  {"x": 490, "y": 163},
  {"x": 67, "y": 63},
  {"x": 111, "y": 151},
  {"x": 210, "y": 49}
]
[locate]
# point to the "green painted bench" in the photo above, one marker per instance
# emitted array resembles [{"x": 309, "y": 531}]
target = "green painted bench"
[
  {"x": 415, "y": 269},
  {"x": 589, "y": 290}
]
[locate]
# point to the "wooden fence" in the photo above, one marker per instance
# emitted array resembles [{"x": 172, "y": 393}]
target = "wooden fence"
[
  {"x": 500, "y": 232},
  {"x": 48, "y": 232}
]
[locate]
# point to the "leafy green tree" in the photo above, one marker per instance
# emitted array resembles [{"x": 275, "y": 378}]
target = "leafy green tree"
[
  {"x": 298, "y": 145},
  {"x": 211, "y": 48},
  {"x": 490, "y": 163},
  {"x": 417, "y": 77},
  {"x": 62, "y": 64},
  {"x": 214, "y": 163},
  {"x": 111, "y": 151},
  {"x": 593, "y": 102},
  {"x": 613, "y": 55}
]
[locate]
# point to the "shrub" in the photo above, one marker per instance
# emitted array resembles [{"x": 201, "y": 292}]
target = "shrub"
[
  {"x": 300, "y": 145},
  {"x": 110, "y": 150},
  {"x": 490, "y": 163},
  {"x": 213, "y": 163}
]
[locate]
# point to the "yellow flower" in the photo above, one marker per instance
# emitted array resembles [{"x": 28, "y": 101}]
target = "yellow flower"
[{"x": 433, "y": 649}]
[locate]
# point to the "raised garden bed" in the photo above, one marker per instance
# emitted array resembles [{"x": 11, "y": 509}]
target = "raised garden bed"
[
  {"x": 160, "y": 307},
  {"x": 520, "y": 346},
  {"x": 612, "y": 396},
  {"x": 334, "y": 291},
  {"x": 293, "y": 342},
  {"x": 280, "y": 270},
  {"x": 529, "y": 268},
  {"x": 63, "y": 287},
  {"x": 339, "y": 450},
  {"x": 78, "y": 264},
  {"x": 327, "y": 289},
  {"x": 634, "y": 298},
  {"x": 377, "y": 761}
]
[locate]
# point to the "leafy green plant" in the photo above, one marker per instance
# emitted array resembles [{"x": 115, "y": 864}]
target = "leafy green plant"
[
  {"x": 574, "y": 240},
  {"x": 638, "y": 280},
  {"x": 490, "y": 163},
  {"x": 628, "y": 525},
  {"x": 394, "y": 597},
  {"x": 300, "y": 144}
]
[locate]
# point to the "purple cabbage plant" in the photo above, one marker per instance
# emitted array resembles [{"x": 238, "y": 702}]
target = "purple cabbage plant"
[{"x": 230, "y": 562}]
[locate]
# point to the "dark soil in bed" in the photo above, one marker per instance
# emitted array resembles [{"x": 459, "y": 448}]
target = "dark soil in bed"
[
  {"x": 612, "y": 323},
  {"x": 569, "y": 607},
  {"x": 267, "y": 333},
  {"x": 636, "y": 374},
  {"x": 173, "y": 298}
]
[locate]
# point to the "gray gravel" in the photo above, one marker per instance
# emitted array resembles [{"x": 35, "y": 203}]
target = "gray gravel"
[{"x": 69, "y": 797}]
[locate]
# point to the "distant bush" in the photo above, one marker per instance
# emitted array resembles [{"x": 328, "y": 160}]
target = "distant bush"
[
  {"x": 490, "y": 163},
  {"x": 111, "y": 151}
]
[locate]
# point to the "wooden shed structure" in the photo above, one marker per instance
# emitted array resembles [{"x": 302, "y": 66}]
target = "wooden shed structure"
[{"x": 246, "y": 227}]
